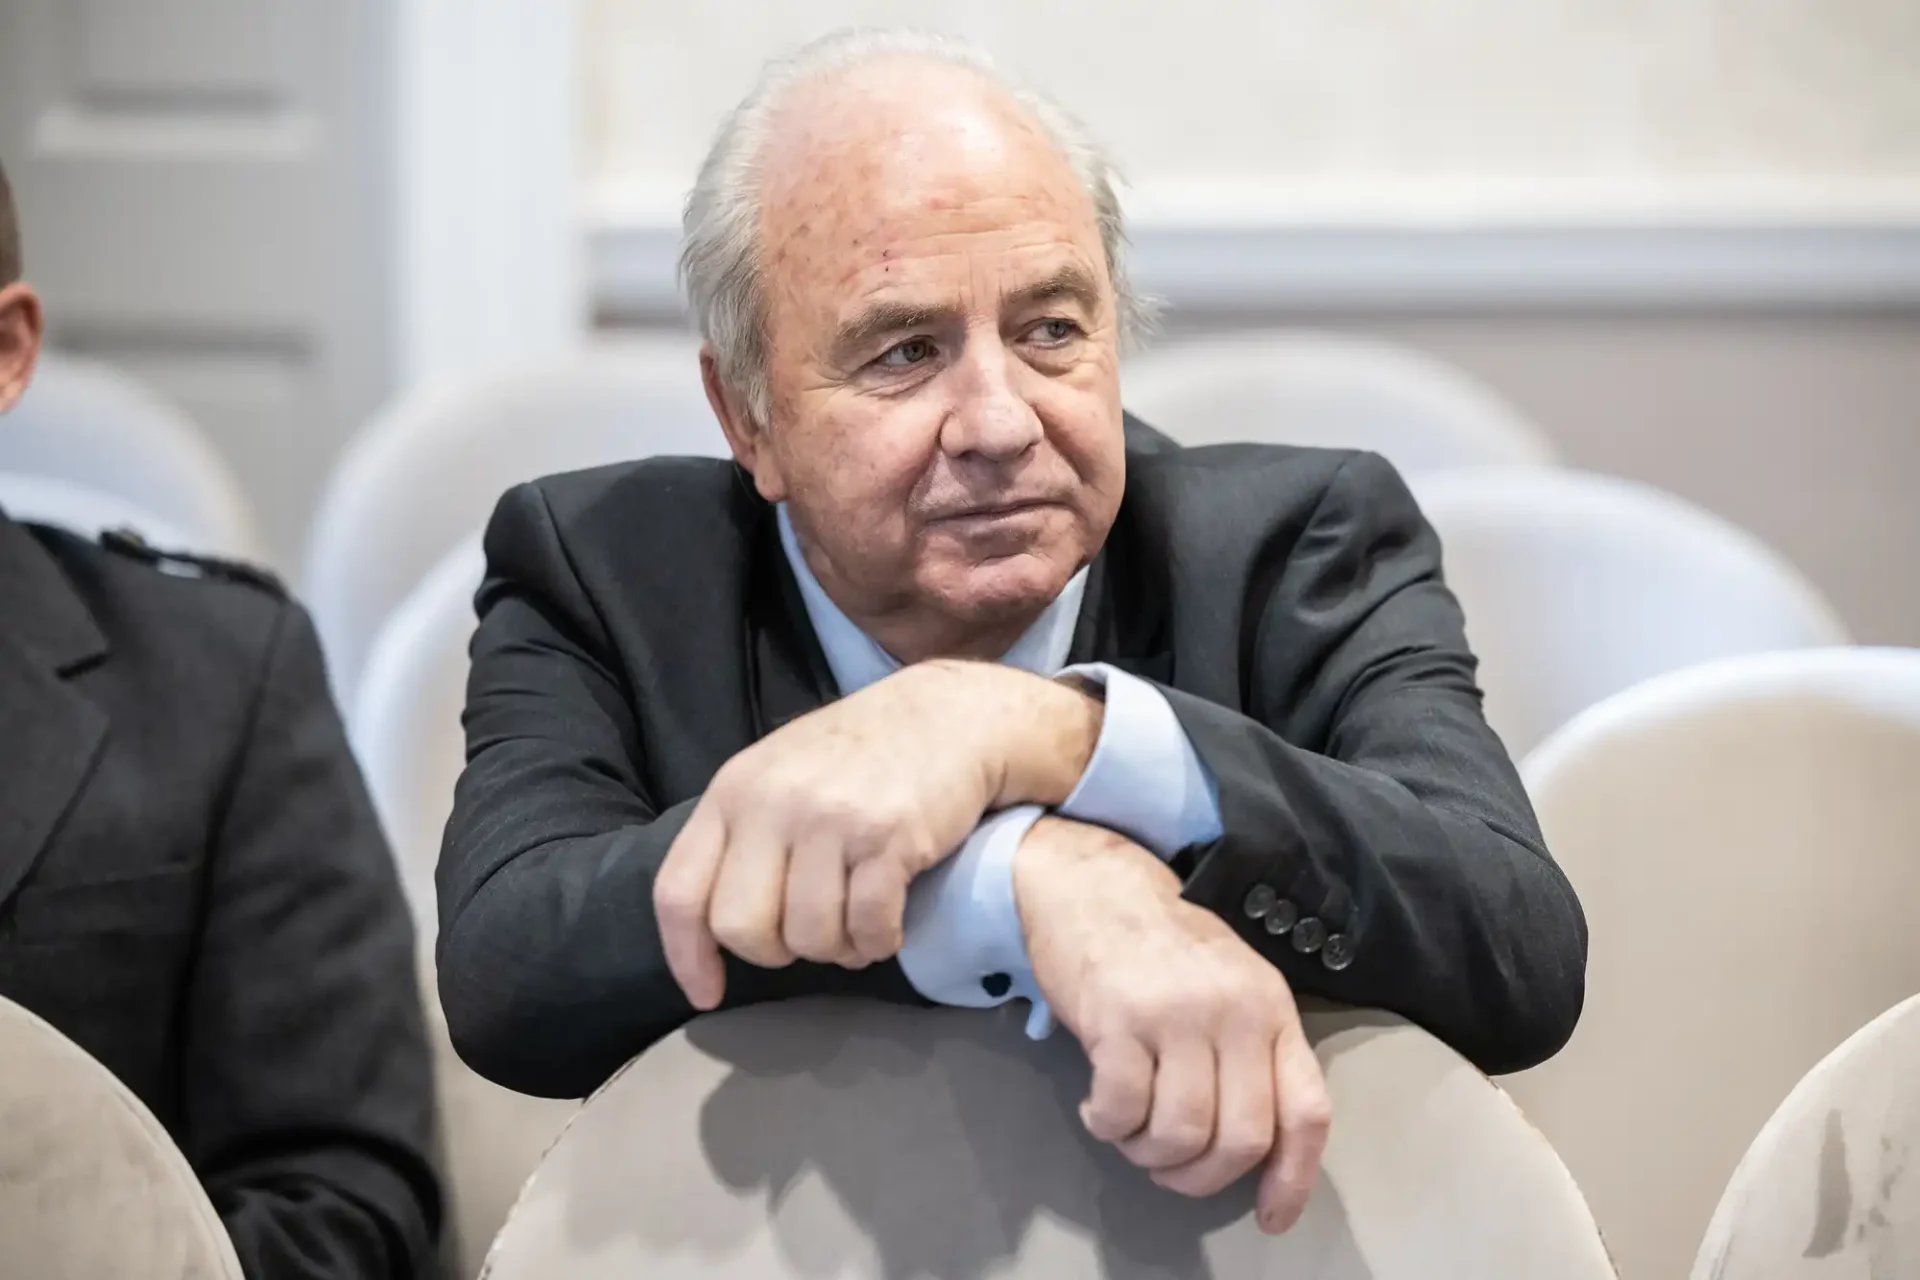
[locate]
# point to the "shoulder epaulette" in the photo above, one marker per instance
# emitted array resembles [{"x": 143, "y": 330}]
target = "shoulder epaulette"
[{"x": 185, "y": 564}]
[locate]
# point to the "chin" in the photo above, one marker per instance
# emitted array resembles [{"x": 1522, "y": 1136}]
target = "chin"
[{"x": 1006, "y": 589}]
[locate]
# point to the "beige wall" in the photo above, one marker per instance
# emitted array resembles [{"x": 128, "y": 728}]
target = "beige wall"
[
  {"x": 1389, "y": 109},
  {"x": 1795, "y": 122},
  {"x": 1804, "y": 428}
]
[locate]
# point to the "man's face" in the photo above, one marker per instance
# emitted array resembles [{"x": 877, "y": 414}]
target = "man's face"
[{"x": 945, "y": 405}]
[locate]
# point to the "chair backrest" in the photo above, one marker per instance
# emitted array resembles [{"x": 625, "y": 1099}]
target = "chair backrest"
[
  {"x": 429, "y": 470},
  {"x": 1329, "y": 390},
  {"x": 404, "y": 721},
  {"x": 90, "y": 1184},
  {"x": 91, "y": 424},
  {"x": 858, "y": 1139},
  {"x": 1577, "y": 586},
  {"x": 405, "y": 728},
  {"x": 1745, "y": 839},
  {"x": 491, "y": 1139},
  {"x": 87, "y": 512},
  {"x": 1829, "y": 1191}
]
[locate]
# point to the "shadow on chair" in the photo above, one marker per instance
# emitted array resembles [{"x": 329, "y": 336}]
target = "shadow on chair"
[{"x": 837, "y": 1139}]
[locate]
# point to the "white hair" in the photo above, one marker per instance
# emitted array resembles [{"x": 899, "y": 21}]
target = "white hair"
[{"x": 720, "y": 260}]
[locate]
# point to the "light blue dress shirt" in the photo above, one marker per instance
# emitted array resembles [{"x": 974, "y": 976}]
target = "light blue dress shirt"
[{"x": 1144, "y": 780}]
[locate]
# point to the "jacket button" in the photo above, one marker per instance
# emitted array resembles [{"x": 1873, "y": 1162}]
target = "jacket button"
[
  {"x": 1337, "y": 954},
  {"x": 1260, "y": 900},
  {"x": 1282, "y": 918},
  {"x": 1308, "y": 935}
]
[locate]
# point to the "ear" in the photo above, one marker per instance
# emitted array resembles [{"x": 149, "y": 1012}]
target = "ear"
[
  {"x": 21, "y": 328},
  {"x": 745, "y": 436}
]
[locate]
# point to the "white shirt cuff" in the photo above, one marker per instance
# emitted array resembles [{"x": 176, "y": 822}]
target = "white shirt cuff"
[
  {"x": 1145, "y": 780},
  {"x": 964, "y": 944}
]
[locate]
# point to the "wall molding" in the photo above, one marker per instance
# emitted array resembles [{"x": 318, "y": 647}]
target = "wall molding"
[{"x": 1203, "y": 265}]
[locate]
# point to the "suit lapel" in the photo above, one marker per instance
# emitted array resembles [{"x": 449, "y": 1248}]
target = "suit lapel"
[
  {"x": 50, "y": 735},
  {"x": 1123, "y": 615},
  {"x": 788, "y": 669}
]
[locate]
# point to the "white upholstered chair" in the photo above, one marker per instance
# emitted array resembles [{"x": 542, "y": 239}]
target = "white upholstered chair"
[
  {"x": 91, "y": 1187},
  {"x": 1745, "y": 839},
  {"x": 404, "y": 720},
  {"x": 1577, "y": 586},
  {"x": 405, "y": 727},
  {"x": 85, "y": 511},
  {"x": 1331, "y": 390},
  {"x": 1830, "y": 1190},
  {"x": 428, "y": 471},
  {"x": 854, "y": 1140},
  {"x": 90, "y": 424}
]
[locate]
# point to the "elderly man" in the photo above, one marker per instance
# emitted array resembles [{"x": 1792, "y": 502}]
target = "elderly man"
[{"x": 962, "y": 686}]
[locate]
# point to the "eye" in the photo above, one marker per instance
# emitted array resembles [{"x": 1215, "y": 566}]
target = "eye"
[
  {"x": 904, "y": 355},
  {"x": 1054, "y": 331}
]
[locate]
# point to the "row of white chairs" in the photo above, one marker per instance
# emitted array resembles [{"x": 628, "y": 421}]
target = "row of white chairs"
[
  {"x": 1529, "y": 549},
  {"x": 428, "y": 469}
]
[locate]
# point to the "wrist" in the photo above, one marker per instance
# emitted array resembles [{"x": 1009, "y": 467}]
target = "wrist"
[
  {"x": 1075, "y": 862},
  {"x": 1049, "y": 737}
]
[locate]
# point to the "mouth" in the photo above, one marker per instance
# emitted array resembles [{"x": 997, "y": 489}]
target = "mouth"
[{"x": 993, "y": 511}]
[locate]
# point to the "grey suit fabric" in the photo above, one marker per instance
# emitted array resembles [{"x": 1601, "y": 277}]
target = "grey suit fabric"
[{"x": 193, "y": 888}]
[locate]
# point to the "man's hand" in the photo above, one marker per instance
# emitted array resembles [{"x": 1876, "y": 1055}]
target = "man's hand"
[
  {"x": 1200, "y": 1067},
  {"x": 804, "y": 844}
]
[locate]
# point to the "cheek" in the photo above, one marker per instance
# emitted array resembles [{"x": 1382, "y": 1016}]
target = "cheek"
[
  {"x": 1084, "y": 426},
  {"x": 860, "y": 463}
]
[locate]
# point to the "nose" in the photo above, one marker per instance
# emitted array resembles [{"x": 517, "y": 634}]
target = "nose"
[{"x": 990, "y": 418}]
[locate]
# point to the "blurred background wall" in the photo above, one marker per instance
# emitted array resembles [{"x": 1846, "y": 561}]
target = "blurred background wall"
[
  {"x": 1679, "y": 234},
  {"x": 1683, "y": 235}
]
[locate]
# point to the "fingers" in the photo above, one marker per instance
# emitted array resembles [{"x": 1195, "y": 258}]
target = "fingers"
[
  {"x": 876, "y": 908},
  {"x": 1305, "y": 1115},
  {"x": 1185, "y": 1094},
  {"x": 1121, "y": 1097},
  {"x": 814, "y": 921},
  {"x": 1243, "y": 1132},
  {"x": 749, "y": 899},
  {"x": 681, "y": 891}
]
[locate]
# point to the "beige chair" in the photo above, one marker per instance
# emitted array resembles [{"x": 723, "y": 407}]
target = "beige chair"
[
  {"x": 404, "y": 721},
  {"x": 1331, "y": 390},
  {"x": 405, "y": 728},
  {"x": 1577, "y": 586},
  {"x": 428, "y": 471},
  {"x": 94, "y": 425},
  {"x": 1745, "y": 839},
  {"x": 91, "y": 1187},
  {"x": 850, "y": 1139},
  {"x": 491, "y": 1140},
  {"x": 1830, "y": 1190}
]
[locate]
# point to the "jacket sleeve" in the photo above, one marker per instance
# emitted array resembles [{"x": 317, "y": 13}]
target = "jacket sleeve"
[
  {"x": 307, "y": 1088},
  {"x": 552, "y": 974},
  {"x": 1362, "y": 788}
]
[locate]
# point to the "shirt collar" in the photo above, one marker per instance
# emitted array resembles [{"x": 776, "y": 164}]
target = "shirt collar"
[{"x": 857, "y": 660}]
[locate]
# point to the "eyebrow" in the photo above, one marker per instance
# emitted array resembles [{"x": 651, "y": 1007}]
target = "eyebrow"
[
  {"x": 879, "y": 320},
  {"x": 1071, "y": 282}
]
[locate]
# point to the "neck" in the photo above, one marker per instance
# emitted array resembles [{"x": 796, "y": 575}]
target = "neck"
[
  {"x": 902, "y": 625},
  {"x": 917, "y": 638}
]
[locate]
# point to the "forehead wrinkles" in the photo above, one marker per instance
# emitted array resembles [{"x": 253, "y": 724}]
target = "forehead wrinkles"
[{"x": 882, "y": 165}]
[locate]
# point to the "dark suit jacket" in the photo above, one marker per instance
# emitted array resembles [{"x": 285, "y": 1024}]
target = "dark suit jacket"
[
  {"x": 193, "y": 889},
  {"x": 639, "y": 625}
]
